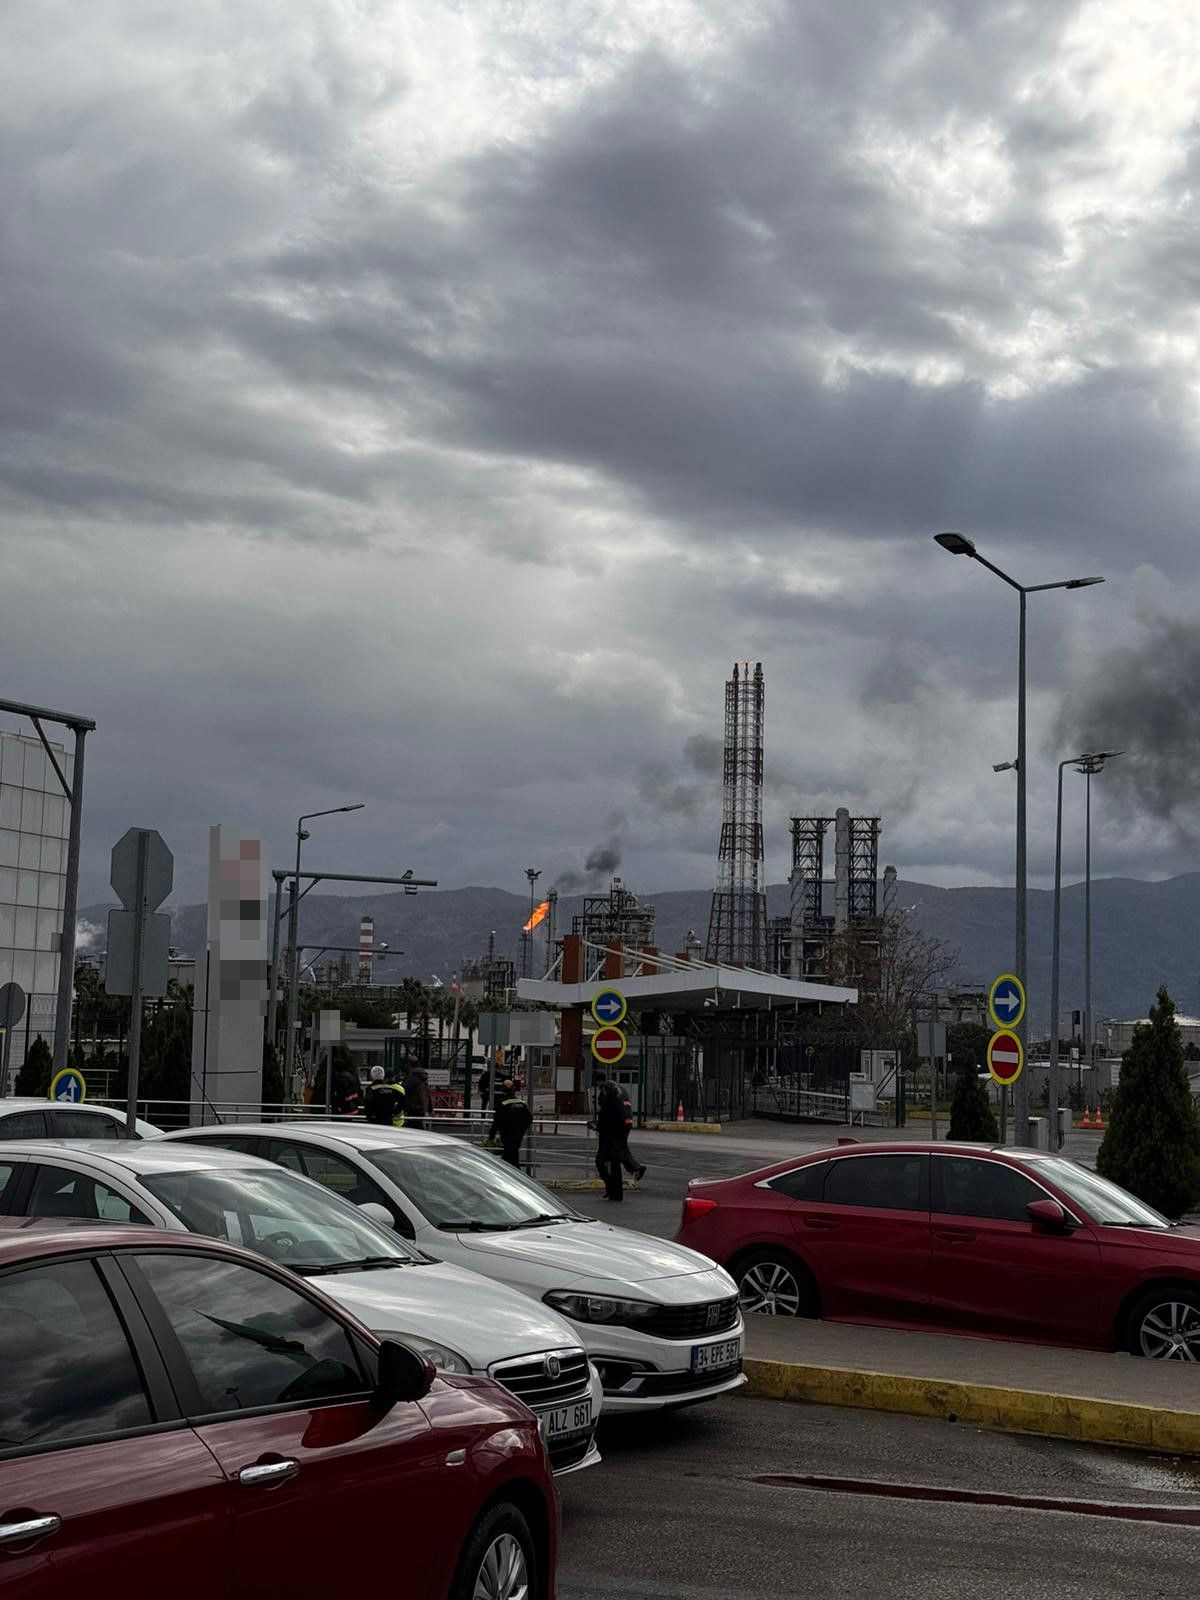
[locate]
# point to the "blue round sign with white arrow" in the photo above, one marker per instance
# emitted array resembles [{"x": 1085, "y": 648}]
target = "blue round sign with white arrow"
[
  {"x": 609, "y": 1008},
  {"x": 68, "y": 1086},
  {"x": 1006, "y": 1001}
]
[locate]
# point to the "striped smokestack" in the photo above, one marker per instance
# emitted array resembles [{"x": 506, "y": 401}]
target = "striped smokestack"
[{"x": 366, "y": 949}]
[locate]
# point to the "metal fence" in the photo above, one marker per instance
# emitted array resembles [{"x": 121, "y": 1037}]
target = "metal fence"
[{"x": 556, "y": 1149}]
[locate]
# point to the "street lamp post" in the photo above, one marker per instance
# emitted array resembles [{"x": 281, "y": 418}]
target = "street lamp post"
[
  {"x": 1091, "y": 765},
  {"x": 293, "y": 1010},
  {"x": 1088, "y": 763},
  {"x": 958, "y": 545}
]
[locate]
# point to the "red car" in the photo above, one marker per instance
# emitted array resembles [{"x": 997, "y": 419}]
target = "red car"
[
  {"x": 962, "y": 1237},
  {"x": 186, "y": 1418}
]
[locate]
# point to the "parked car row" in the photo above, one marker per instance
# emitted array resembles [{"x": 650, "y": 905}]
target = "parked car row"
[{"x": 226, "y": 1337}]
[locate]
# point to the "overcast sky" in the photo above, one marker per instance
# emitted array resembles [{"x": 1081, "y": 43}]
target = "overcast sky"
[{"x": 424, "y": 402}]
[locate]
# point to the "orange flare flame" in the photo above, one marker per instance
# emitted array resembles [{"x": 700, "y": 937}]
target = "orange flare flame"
[{"x": 539, "y": 915}]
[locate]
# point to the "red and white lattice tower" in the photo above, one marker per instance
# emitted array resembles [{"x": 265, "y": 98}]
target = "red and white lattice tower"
[
  {"x": 366, "y": 949},
  {"x": 737, "y": 923}
]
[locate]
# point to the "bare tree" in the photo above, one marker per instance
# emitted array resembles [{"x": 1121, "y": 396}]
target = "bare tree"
[{"x": 893, "y": 966}]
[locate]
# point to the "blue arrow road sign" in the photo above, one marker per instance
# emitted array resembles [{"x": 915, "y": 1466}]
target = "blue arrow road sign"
[
  {"x": 68, "y": 1086},
  {"x": 1007, "y": 1001},
  {"x": 609, "y": 1007}
]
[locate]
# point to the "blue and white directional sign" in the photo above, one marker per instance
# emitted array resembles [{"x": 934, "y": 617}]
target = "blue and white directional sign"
[
  {"x": 609, "y": 1008},
  {"x": 1006, "y": 1001},
  {"x": 68, "y": 1086}
]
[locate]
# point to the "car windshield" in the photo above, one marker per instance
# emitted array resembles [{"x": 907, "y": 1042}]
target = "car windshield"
[
  {"x": 463, "y": 1189},
  {"x": 1103, "y": 1201},
  {"x": 282, "y": 1216}
]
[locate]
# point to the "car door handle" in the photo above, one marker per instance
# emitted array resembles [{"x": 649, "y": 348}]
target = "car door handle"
[
  {"x": 28, "y": 1528},
  {"x": 827, "y": 1223},
  {"x": 955, "y": 1235},
  {"x": 265, "y": 1473}
]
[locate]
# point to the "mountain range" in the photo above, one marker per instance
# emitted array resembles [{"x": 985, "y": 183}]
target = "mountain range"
[{"x": 1144, "y": 934}]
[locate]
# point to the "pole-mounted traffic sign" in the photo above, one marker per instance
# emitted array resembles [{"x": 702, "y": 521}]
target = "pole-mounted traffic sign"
[
  {"x": 609, "y": 1045},
  {"x": 1006, "y": 1001},
  {"x": 609, "y": 1008},
  {"x": 1005, "y": 1057}
]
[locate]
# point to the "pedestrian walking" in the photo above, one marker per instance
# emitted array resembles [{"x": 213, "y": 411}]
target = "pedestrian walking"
[
  {"x": 511, "y": 1123},
  {"x": 485, "y": 1090},
  {"x": 384, "y": 1101},
  {"x": 418, "y": 1101},
  {"x": 611, "y": 1136},
  {"x": 628, "y": 1160},
  {"x": 343, "y": 1097}
]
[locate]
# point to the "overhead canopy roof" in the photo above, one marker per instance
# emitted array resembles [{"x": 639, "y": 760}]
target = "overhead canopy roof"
[{"x": 718, "y": 988}]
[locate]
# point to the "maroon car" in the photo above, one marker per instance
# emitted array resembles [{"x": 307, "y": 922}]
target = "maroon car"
[
  {"x": 185, "y": 1418},
  {"x": 1007, "y": 1242}
]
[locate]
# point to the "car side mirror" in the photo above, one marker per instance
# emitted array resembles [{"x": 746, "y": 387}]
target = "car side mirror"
[
  {"x": 377, "y": 1213},
  {"x": 404, "y": 1376},
  {"x": 1050, "y": 1215}
]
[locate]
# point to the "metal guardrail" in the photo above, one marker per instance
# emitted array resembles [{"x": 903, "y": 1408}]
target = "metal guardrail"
[{"x": 555, "y": 1147}]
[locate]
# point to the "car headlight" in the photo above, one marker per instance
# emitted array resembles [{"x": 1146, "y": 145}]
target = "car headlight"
[
  {"x": 442, "y": 1357},
  {"x": 599, "y": 1308}
]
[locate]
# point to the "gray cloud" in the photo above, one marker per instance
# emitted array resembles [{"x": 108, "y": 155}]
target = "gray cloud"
[{"x": 433, "y": 424}]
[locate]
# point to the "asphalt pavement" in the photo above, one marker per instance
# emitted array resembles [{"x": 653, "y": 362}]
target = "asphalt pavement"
[{"x": 678, "y": 1511}]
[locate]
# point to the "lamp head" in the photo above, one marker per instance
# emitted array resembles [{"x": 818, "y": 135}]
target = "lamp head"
[
  {"x": 956, "y": 543},
  {"x": 1081, "y": 583}
]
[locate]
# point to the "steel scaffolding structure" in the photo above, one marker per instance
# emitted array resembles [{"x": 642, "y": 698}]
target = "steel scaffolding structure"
[{"x": 737, "y": 924}]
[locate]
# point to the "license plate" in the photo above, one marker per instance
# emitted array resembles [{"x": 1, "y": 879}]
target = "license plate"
[
  {"x": 564, "y": 1421},
  {"x": 712, "y": 1357}
]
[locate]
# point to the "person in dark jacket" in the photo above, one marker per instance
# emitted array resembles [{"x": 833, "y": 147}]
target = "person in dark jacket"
[
  {"x": 343, "y": 1099},
  {"x": 631, "y": 1165},
  {"x": 511, "y": 1123},
  {"x": 418, "y": 1102},
  {"x": 612, "y": 1134},
  {"x": 385, "y": 1101}
]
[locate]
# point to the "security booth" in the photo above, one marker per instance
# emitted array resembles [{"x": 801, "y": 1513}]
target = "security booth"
[{"x": 709, "y": 1043}]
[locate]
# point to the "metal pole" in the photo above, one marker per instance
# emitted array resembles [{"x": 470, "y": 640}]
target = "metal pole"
[
  {"x": 1087, "y": 929},
  {"x": 933, "y": 1103},
  {"x": 293, "y": 1005},
  {"x": 135, "y": 998},
  {"x": 1021, "y": 1088},
  {"x": 273, "y": 992},
  {"x": 1055, "y": 962},
  {"x": 66, "y": 959}
]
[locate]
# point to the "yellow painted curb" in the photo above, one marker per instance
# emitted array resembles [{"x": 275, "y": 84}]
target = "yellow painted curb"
[
  {"x": 1050, "y": 1416},
  {"x": 683, "y": 1127}
]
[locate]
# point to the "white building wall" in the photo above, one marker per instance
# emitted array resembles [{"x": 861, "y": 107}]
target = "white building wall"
[{"x": 34, "y": 824}]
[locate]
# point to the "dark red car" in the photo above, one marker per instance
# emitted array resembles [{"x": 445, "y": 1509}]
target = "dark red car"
[
  {"x": 182, "y": 1418},
  {"x": 1008, "y": 1242}
]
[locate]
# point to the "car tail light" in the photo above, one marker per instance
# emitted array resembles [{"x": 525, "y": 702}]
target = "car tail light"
[{"x": 692, "y": 1209}]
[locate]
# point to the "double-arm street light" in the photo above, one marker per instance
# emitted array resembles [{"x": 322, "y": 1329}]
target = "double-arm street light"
[
  {"x": 958, "y": 545},
  {"x": 293, "y": 1011}
]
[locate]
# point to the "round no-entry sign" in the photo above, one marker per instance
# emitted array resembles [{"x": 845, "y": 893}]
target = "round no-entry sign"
[
  {"x": 1005, "y": 1057},
  {"x": 609, "y": 1045}
]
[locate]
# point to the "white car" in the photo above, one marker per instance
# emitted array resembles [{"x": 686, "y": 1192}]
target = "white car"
[
  {"x": 24, "y": 1117},
  {"x": 456, "y": 1319},
  {"x": 660, "y": 1322}
]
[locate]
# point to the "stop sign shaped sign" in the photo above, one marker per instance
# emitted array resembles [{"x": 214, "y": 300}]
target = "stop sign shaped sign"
[{"x": 608, "y": 1045}]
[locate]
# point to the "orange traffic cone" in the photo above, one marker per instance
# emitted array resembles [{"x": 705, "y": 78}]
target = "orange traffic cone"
[
  {"x": 1099, "y": 1122},
  {"x": 1087, "y": 1117},
  {"x": 679, "y": 1112}
]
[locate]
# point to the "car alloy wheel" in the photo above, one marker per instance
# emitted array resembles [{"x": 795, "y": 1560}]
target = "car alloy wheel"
[
  {"x": 503, "y": 1572},
  {"x": 769, "y": 1289},
  {"x": 1170, "y": 1331}
]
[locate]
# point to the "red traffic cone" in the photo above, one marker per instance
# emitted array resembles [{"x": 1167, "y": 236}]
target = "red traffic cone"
[
  {"x": 679, "y": 1112},
  {"x": 1087, "y": 1117},
  {"x": 1099, "y": 1122}
]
